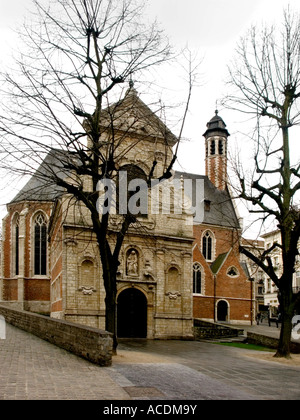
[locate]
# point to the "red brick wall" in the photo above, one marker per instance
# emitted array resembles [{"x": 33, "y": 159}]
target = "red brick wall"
[
  {"x": 203, "y": 307},
  {"x": 236, "y": 287},
  {"x": 10, "y": 289},
  {"x": 37, "y": 289},
  {"x": 216, "y": 170},
  {"x": 235, "y": 290}
]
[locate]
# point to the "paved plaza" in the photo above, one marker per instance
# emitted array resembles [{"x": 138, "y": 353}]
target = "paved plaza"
[{"x": 32, "y": 369}]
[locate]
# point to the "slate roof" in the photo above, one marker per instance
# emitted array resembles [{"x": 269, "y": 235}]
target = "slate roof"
[
  {"x": 41, "y": 186},
  {"x": 130, "y": 115},
  {"x": 216, "y": 124},
  {"x": 244, "y": 266},
  {"x": 222, "y": 212},
  {"x": 217, "y": 264}
]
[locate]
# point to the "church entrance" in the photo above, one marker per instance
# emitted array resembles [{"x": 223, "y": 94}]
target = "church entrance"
[
  {"x": 222, "y": 311},
  {"x": 132, "y": 314}
]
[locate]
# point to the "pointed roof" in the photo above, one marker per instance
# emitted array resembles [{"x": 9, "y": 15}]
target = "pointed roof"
[
  {"x": 216, "y": 124},
  {"x": 219, "y": 261},
  {"x": 41, "y": 185},
  {"x": 132, "y": 115}
]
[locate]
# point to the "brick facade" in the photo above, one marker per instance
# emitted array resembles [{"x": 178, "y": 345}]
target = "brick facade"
[
  {"x": 218, "y": 285},
  {"x": 25, "y": 289},
  {"x": 226, "y": 291}
]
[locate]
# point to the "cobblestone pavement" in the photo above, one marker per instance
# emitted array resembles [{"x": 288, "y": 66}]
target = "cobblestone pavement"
[
  {"x": 31, "y": 368},
  {"x": 201, "y": 370}
]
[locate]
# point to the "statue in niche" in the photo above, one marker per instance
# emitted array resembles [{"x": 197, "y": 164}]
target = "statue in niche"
[{"x": 132, "y": 263}]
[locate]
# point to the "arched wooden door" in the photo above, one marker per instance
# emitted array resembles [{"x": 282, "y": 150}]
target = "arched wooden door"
[{"x": 132, "y": 314}]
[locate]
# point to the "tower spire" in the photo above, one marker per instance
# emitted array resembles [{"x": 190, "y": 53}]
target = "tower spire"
[
  {"x": 131, "y": 83},
  {"x": 216, "y": 139}
]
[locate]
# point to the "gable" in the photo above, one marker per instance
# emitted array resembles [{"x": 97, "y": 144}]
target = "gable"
[
  {"x": 230, "y": 260},
  {"x": 131, "y": 115}
]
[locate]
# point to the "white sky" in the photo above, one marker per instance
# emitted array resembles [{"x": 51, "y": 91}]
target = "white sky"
[{"x": 210, "y": 27}]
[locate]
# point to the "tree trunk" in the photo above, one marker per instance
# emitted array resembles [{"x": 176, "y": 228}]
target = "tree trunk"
[
  {"x": 287, "y": 311},
  {"x": 110, "y": 284},
  {"x": 283, "y": 349},
  {"x": 109, "y": 274},
  {"x": 111, "y": 312}
]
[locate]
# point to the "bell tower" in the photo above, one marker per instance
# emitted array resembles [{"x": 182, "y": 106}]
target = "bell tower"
[{"x": 216, "y": 139}]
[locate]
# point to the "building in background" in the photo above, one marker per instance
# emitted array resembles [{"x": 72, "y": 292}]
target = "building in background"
[
  {"x": 257, "y": 247},
  {"x": 271, "y": 290}
]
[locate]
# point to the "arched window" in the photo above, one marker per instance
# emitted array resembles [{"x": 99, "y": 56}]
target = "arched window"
[
  {"x": 197, "y": 278},
  {"x": 40, "y": 245},
  {"x": 221, "y": 147},
  {"x": 15, "y": 245},
  {"x": 207, "y": 244},
  {"x": 213, "y": 147}
]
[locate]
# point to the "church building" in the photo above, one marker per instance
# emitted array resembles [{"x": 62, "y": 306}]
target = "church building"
[
  {"x": 50, "y": 257},
  {"x": 173, "y": 267}
]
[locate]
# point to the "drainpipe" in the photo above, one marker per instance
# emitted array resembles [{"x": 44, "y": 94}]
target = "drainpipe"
[
  {"x": 22, "y": 257},
  {"x": 251, "y": 300},
  {"x": 215, "y": 288}
]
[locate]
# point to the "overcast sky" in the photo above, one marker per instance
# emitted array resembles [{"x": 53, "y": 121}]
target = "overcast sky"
[{"x": 212, "y": 29}]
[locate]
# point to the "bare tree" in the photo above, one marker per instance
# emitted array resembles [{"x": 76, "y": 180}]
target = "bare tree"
[
  {"x": 68, "y": 88},
  {"x": 266, "y": 83}
]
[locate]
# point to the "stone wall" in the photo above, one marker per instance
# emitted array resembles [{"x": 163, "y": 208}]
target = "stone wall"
[
  {"x": 209, "y": 330},
  {"x": 270, "y": 342},
  {"x": 90, "y": 343}
]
